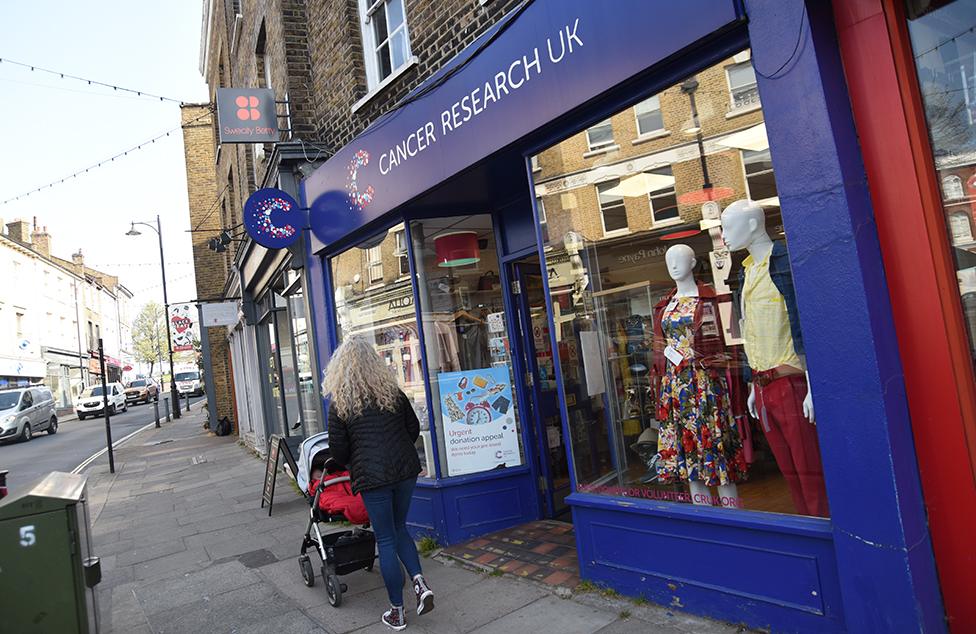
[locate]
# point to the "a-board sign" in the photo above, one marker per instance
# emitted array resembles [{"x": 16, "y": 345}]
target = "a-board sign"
[
  {"x": 270, "y": 473},
  {"x": 279, "y": 447}
]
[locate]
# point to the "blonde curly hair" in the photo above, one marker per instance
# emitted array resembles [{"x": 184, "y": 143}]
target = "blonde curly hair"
[{"x": 357, "y": 378}]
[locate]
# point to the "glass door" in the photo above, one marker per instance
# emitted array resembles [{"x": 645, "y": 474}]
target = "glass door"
[{"x": 525, "y": 277}]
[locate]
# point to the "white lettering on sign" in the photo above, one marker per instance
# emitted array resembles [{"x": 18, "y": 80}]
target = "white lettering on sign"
[
  {"x": 504, "y": 82},
  {"x": 27, "y": 536}
]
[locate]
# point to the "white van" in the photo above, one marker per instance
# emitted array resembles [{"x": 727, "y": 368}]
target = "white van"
[
  {"x": 90, "y": 401},
  {"x": 189, "y": 381}
]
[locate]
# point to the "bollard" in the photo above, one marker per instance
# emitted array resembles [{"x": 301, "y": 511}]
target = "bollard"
[
  {"x": 166, "y": 403},
  {"x": 188, "y": 401},
  {"x": 156, "y": 408}
]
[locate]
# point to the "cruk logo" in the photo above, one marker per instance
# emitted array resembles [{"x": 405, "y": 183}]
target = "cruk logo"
[
  {"x": 247, "y": 108},
  {"x": 359, "y": 199}
]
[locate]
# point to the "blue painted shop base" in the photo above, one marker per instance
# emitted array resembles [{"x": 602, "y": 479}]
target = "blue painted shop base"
[{"x": 456, "y": 510}]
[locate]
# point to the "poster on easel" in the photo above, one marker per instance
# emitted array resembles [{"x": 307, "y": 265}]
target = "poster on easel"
[{"x": 478, "y": 420}]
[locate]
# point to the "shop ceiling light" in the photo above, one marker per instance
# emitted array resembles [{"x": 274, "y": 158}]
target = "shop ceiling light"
[
  {"x": 641, "y": 185},
  {"x": 457, "y": 248},
  {"x": 753, "y": 139}
]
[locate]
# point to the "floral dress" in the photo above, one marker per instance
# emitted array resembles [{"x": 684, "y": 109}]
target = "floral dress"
[{"x": 698, "y": 439}]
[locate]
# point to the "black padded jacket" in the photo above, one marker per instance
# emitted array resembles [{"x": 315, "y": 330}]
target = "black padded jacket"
[{"x": 377, "y": 446}]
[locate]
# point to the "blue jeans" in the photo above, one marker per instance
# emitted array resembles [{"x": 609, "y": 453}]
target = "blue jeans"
[{"x": 387, "y": 508}]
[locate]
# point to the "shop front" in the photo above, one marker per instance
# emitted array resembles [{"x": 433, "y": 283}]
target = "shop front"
[{"x": 624, "y": 265}]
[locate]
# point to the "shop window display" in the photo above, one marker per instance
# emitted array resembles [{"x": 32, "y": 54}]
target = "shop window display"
[
  {"x": 468, "y": 351},
  {"x": 944, "y": 40},
  {"x": 679, "y": 347},
  {"x": 382, "y": 310}
]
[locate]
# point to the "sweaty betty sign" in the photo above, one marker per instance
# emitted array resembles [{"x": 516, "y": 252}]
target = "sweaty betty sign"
[{"x": 467, "y": 107}]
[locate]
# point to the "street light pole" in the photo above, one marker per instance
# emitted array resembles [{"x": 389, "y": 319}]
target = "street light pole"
[{"x": 174, "y": 397}]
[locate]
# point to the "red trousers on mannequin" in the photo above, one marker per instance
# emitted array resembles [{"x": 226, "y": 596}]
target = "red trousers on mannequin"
[{"x": 793, "y": 440}]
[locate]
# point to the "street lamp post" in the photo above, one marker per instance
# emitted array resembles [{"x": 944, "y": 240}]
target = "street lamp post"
[{"x": 174, "y": 397}]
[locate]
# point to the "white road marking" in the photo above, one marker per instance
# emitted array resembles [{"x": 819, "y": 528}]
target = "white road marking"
[{"x": 95, "y": 456}]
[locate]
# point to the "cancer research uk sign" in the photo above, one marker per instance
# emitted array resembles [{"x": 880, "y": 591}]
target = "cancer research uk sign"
[
  {"x": 478, "y": 420},
  {"x": 247, "y": 115}
]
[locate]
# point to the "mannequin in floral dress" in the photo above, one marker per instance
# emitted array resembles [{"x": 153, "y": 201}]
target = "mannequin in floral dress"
[{"x": 698, "y": 441}]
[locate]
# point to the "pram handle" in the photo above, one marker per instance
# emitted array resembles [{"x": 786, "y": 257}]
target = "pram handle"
[{"x": 327, "y": 483}]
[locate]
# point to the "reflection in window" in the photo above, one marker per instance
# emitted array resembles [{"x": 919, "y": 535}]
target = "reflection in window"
[
  {"x": 600, "y": 136},
  {"x": 382, "y": 310},
  {"x": 471, "y": 375},
  {"x": 649, "y": 117},
  {"x": 943, "y": 37},
  {"x": 664, "y": 201},
  {"x": 742, "y": 84},
  {"x": 760, "y": 184},
  {"x": 663, "y": 334},
  {"x": 403, "y": 261},
  {"x": 612, "y": 208}
]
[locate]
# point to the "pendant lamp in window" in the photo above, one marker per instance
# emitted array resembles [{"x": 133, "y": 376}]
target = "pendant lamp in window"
[{"x": 457, "y": 248}]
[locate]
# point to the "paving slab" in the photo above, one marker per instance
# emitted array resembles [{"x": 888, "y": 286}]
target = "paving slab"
[
  {"x": 191, "y": 588},
  {"x": 550, "y": 614}
]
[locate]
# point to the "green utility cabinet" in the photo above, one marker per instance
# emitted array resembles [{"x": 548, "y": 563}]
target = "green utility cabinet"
[{"x": 47, "y": 573}]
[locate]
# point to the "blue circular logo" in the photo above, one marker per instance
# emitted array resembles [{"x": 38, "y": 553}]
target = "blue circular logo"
[{"x": 272, "y": 218}]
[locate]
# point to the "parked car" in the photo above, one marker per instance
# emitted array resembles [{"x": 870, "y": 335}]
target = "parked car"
[
  {"x": 189, "y": 382},
  {"x": 90, "y": 401},
  {"x": 141, "y": 390},
  {"x": 26, "y": 410}
]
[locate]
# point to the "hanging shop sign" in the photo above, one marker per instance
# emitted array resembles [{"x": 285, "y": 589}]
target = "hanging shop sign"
[
  {"x": 182, "y": 325},
  {"x": 247, "y": 115},
  {"x": 220, "y": 314},
  {"x": 478, "y": 418},
  {"x": 552, "y": 57},
  {"x": 272, "y": 218}
]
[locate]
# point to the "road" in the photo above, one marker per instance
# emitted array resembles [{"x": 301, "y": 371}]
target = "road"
[{"x": 75, "y": 441}]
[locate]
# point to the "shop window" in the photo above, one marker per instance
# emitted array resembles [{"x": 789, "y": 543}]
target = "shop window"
[
  {"x": 649, "y": 116},
  {"x": 943, "y": 37},
  {"x": 742, "y": 85},
  {"x": 600, "y": 136},
  {"x": 682, "y": 365},
  {"x": 613, "y": 211},
  {"x": 385, "y": 40},
  {"x": 760, "y": 184},
  {"x": 664, "y": 200},
  {"x": 403, "y": 261},
  {"x": 952, "y": 187},
  {"x": 471, "y": 374},
  {"x": 385, "y": 316},
  {"x": 374, "y": 257}
]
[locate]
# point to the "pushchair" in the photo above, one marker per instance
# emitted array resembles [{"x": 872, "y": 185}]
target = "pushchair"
[{"x": 341, "y": 552}]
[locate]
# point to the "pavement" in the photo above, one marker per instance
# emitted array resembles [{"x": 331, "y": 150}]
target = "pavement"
[{"x": 185, "y": 547}]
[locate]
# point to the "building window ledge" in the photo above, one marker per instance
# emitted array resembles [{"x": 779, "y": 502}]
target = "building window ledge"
[
  {"x": 616, "y": 233},
  {"x": 738, "y": 112},
  {"x": 380, "y": 87},
  {"x": 602, "y": 150},
  {"x": 650, "y": 136},
  {"x": 670, "y": 222}
]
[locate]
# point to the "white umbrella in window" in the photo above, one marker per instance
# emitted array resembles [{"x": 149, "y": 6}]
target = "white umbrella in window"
[
  {"x": 641, "y": 184},
  {"x": 753, "y": 139}
]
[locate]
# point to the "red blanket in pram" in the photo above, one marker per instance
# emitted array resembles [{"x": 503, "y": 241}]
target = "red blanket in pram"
[{"x": 339, "y": 498}]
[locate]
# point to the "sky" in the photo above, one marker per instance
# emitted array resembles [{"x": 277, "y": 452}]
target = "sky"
[{"x": 52, "y": 127}]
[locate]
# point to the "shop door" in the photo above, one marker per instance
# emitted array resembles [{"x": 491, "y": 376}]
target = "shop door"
[{"x": 542, "y": 407}]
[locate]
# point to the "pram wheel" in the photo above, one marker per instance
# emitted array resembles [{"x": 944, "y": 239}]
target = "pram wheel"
[
  {"x": 307, "y": 573},
  {"x": 334, "y": 589}
]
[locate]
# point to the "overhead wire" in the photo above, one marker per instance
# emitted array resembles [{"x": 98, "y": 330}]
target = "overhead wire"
[
  {"x": 110, "y": 159},
  {"x": 90, "y": 82}
]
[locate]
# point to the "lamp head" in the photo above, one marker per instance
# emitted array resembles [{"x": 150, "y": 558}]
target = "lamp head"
[{"x": 133, "y": 231}]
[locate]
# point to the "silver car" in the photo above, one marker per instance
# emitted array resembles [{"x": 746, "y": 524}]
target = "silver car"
[{"x": 26, "y": 410}]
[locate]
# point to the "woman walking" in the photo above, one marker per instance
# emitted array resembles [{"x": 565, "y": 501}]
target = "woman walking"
[{"x": 372, "y": 430}]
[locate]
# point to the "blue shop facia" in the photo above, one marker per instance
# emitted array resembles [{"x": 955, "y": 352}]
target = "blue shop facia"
[{"x": 533, "y": 241}]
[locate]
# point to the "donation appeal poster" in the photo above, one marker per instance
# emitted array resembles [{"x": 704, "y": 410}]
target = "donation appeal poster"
[{"x": 478, "y": 420}]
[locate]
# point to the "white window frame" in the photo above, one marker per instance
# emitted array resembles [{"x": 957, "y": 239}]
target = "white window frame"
[
  {"x": 613, "y": 232},
  {"x": 655, "y": 131},
  {"x": 601, "y": 146},
  {"x": 652, "y": 196},
  {"x": 402, "y": 254},
  {"x": 370, "y": 46},
  {"x": 732, "y": 89},
  {"x": 374, "y": 264},
  {"x": 746, "y": 174}
]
